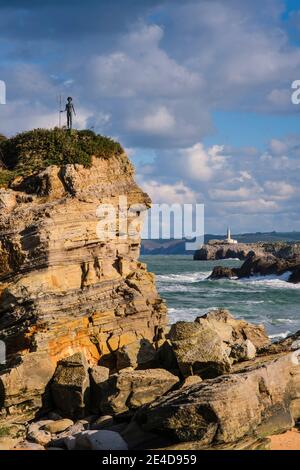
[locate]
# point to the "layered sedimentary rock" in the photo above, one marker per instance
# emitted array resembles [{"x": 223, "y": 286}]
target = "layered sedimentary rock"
[
  {"x": 218, "y": 250},
  {"x": 64, "y": 289}
]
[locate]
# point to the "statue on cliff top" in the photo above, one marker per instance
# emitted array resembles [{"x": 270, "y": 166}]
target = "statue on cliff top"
[{"x": 69, "y": 109}]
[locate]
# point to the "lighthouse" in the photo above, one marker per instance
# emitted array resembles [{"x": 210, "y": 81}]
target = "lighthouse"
[{"x": 228, "y": 239}]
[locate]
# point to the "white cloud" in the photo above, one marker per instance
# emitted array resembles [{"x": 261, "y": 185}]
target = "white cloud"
[
  {"x": 200, "y": 164},
  {"x": 159, "y": 122},
  {"x": 280, "y": 189},
  {"x": 255, "y": 193},
  {"x": 169, "y": 193}
]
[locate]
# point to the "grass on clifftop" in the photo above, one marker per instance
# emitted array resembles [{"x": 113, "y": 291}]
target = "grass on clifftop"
[{"x": 33, "y": 151}]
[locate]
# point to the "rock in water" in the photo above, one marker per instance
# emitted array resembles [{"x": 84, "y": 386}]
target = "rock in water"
[
  {"x": 263, "y": 265},
  {"x": 63, "y": 289},
  {"x": 215, "y": 249},
  {"x": 220, "y": 272}
]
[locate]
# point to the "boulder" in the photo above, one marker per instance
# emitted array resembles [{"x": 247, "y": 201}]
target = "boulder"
[
  {"x": 58, "y": 426},
  {"x": 28, "y": 378},
  {"x": 102, "y": 422},
  {"x": 228, "y": 408},
  {"x": 59, "y": 439},
  {"x": 220, "y": 272},
  {"x": 166, "y": 357},
  {"x": 70, "y": 386},
  {"x": 131, "y": 389},
  {"x": 98, "y": 375},
  {"x": 11, "y": 435},
  {"x": 27, "y": 445},
  {"x": 136, "y": 437},
  {"x": 8, "y": 443},
  {"x": 295, "y": 276},
  {"x": 98, "y": 440},
  {"x": 7, "y": 200},
  {"x": 199, "y": 350},
  {"x": 244, "y": 351},
  {"x": 234, "y": 331},
  {"x": 191, "y": 380},
  {"x": 264, "y": 264},
  {"x": 37, "y": 433},
  {"x": 139, "y": 354}
]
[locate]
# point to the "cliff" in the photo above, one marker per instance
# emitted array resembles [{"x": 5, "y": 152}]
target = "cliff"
[
  {"x": 218, "y": 250},
  {"x": 62, "y": 289}
]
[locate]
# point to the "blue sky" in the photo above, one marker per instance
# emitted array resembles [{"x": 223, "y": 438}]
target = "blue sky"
[{"x": 198, "y": 91}]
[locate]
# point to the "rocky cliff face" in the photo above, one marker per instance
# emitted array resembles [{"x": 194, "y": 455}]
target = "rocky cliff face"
[
  {"x": 218, "y": 250},
  {"x": 62, "y": 289}
]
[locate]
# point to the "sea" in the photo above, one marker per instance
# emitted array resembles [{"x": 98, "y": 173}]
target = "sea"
[{"x": 267, "y": 300}]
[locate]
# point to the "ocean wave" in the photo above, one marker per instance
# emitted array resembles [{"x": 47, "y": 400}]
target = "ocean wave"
[
  {"x": 176, "y": 288},
  {"x": 274, "y": 321},
  {"x": 186, "y": 314},
  {"x": 282, "y": 335},
  {"x": 183, "y": 277},
  {"x": 276, "y": 282}
]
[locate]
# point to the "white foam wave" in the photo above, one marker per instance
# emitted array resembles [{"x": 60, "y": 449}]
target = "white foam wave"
[
  {"x": 280, "y": 335},
  {"x": 175, "y": 288},
  {"x": 276, "y": 282},
  {"x": 183, "y": 277},
  {"x": 284, "y": 320},
  {"x": 186, "y": 314}
]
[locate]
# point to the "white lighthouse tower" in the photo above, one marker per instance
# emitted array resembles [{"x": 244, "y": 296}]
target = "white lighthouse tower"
[{"x": 228, "y": 239}]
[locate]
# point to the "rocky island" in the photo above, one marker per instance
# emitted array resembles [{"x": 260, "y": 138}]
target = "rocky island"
[
  {"x": 264, "y": 265},
  {"x": 217, "y": 250},
  {"x": 90, "y": 361}
]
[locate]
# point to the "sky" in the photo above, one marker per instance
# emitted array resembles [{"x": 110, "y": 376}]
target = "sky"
[{"x": 197, "y": 91}]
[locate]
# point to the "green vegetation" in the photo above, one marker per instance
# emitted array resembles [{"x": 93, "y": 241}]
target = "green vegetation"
[
  {"x": 4, "y": 432},
  {"x": 30, "y": 152},
  {"x": 6, "y": 176}
]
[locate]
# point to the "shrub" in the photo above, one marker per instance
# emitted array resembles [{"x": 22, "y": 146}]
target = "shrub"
[
  {"x": 30, "y": 152},
  {"x": 6, "y": 176},
  {"x": 4, "y": 431}
]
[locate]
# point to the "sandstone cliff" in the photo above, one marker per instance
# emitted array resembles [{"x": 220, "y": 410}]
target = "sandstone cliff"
[{"x": 62, "y": 289}]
